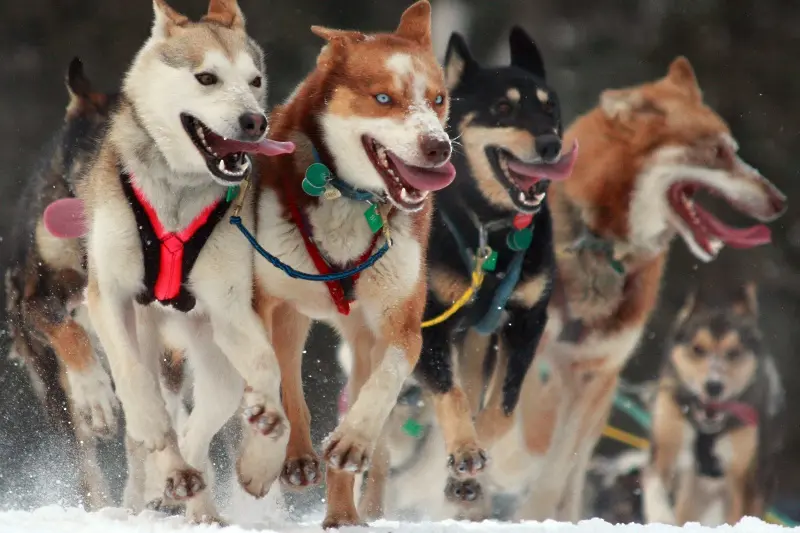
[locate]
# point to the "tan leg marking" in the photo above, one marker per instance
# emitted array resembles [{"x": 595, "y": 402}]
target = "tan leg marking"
[{"x": 744, "y": 443}]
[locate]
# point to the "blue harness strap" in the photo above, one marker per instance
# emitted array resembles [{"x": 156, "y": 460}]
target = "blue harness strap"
[{"x": 491, "y": 320}]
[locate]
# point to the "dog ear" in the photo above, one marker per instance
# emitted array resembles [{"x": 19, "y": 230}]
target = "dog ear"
[
  {"x": 682, "y": 74},
  {"x": 166, "y": 20},
  {"x": 623, "y": 104},
  {"x": 338, "y": 36},
  {"x": 82, "y": 98},
  {"x": 746, "y": 302},
  {"x": 524, "y": 52},
  {"x": 457, "y": 61},
  {"x": 415, "y": 23},
  {"x": 225, "y": 12}
]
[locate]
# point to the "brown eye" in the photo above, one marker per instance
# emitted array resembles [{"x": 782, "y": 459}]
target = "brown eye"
[
  {"x": 503, "y": 109},
  {"x": 206, "y": 78},
  {"x": 256, "y": 82},
  {"x": 734, "y": 354},
  {"x": 698, "y": 351}
]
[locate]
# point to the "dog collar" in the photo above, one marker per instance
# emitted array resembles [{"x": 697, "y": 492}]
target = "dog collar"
[{"x": 320, "y": 181}]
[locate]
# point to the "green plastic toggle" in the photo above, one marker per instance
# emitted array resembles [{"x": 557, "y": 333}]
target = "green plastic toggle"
[
  {"x": 520, "y": 239},
  {"x": 318, "y": 175},
  {"x": 413, "y": 428}
]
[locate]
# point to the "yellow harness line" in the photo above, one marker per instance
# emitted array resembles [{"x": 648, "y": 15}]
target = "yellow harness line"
[
  {"x": 477, "y": 281},
  {"x": 626, "y": 438}
]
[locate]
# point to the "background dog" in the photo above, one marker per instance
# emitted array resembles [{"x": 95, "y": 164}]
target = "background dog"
[
  {"x": 716, "y": 426},
  {"x": 645, "y": 152},
  {"x": 44, "y": 294}
]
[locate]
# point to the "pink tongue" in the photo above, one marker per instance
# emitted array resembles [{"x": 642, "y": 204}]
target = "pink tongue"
[
  {"x": 266, "y": 147},
  {"x": 735, "y": 237},
  {"x": 536, "y": 172},
  {"x": 65, "y": 219},
  {"x": 425, "y": 179}
]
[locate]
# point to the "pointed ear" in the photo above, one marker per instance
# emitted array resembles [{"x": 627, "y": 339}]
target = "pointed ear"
[
  {"x": 415, "y": 24},
  {"x": 78, "y": 86},
  {"x": 747, "y": 300},
  {"x": 342, "y": 36},
  {"x": 166, "y": 20},
  {"x": 226, "y": 13},
  {"x": 682, "y": 74},
  {"x": 457, "y": 61},
  {"x": 524, "y": 52}
]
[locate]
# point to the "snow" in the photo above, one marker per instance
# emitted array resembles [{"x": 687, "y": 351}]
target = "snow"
[{"x": 55, "y": 519}]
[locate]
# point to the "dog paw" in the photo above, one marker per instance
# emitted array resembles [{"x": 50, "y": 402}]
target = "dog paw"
[
  {"x": 260, "y": 463},
  {"x": 299, "y": 472},
  {"x": 468, "y": 461},
  {"x": 347, "y": 450},
  {"x": 202, "y": 511},
  {"x": 262, "y": 417},
  {"x": 184, "y": 484},
  {"x": 94, "y": 400},
  {"x": 340, "y": 520},
  {"x": 166, "y": 506},
  {"x": 463, "y": 491}
]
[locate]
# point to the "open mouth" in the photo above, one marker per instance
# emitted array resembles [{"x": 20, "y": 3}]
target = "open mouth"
[
  {"x": 228, "y": 159},
  {"x": 527, "y": 181},
  {"x": 708, "y": 232},
  {"x": 407, "y": 186}
]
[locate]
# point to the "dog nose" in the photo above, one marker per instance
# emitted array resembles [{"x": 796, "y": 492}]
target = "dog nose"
[
  {"x": 714, "y": 388},
  {"x": 253, "y": 125},
  {"x": 436, "y": 149},
  {"x": 548, "y": 147}
]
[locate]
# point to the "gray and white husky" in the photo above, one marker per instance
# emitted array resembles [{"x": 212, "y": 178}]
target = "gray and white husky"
[{"x": 163, "y": 261}]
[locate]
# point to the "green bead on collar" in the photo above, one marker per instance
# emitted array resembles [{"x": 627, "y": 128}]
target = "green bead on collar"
[
  {"x": 520, "y": 239},
  {"x": 316, "y": 179},
  {"x": 413, "y": 428}
]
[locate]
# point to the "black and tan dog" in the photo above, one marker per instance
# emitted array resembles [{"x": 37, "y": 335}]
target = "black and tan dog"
[
  {"x": 715, "y": 417},
  {"x": 494, "y": 224},
  {"x": 44, "y": 292}
]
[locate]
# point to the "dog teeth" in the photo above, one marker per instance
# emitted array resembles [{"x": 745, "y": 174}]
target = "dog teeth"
[
  {"x": 540, "y": 197},
  {"x": 716, "y": 245},
  {"x": 221, "y": 165},
  {"x": 410, "y": 198}
]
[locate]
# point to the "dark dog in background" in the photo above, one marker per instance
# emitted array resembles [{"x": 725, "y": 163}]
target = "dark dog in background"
[
  {"x": 715, "y": 417},
  {"x": 45, "y": 281},
  {"x": 508, "y": 123}
]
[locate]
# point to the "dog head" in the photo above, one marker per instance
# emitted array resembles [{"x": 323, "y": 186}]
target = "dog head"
[
  {"x": 85, "y": 121},
  {"x": 385, "y": 108},
  {"x": 716, "y": 349},
  {"x": 199, "y": 90},
  {"x": 658, "y": 144},
  {"x": 509, "y": 122}
]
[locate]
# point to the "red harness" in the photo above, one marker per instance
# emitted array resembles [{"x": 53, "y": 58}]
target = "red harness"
[
  {"x": 335, "y": 288},
  {"x": 170, "y": 256}
]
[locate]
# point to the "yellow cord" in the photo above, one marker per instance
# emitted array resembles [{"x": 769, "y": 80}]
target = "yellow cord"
[
  {"x": 477, "y": 281},
  {"x": 626, "y": 438}
]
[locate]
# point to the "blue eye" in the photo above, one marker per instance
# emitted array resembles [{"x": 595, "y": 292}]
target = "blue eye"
[
  {"x": 439, "y": 100},
  {"x": 383, "y": 98}
]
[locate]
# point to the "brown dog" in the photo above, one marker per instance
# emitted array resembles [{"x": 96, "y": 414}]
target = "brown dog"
[
  {"x": 373, "y": 112},
  {"x": 714, "y": 419}
]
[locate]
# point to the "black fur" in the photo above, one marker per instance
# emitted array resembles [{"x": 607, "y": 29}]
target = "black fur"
[{"x": 482, "y": 93}]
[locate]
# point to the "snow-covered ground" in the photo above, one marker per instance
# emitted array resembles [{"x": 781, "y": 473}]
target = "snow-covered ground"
[{"x": 56, "y": 519}]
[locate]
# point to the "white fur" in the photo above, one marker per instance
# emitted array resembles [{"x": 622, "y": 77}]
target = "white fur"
[
  {"x": 92, "y": 396},
  {"x": 222, "y": 336}
]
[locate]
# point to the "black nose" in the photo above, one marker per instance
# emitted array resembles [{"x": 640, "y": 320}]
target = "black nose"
[
  {"x": 548, "y": 147},
  {"x": 714, "y": 388},
  {"x": 436, "y": 149},
  {"x": 253, "y": 125}
]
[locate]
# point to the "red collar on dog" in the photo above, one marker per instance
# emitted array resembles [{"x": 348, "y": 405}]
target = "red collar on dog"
[
  {"x": 335, "y": 288},
  {"x": 169, "y": 256}
]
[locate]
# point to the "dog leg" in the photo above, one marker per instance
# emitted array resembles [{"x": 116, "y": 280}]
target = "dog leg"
[
  {"x": 241, "y": 335},
  {"x": 370, "y": 505},
  {"x": 136, "y": 378},
  {"x": 289, "y": 331},
  {"x": 133, "y": 494},
  {"x": 666, "y": 444},
  {"x": 90, "y": 390},
  {"x": 437, "y": 370},
  {"x": 217, "y": 392},
  {"x": 744, "y": 443}
]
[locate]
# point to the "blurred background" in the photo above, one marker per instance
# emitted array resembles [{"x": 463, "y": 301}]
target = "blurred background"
[{"x": 745, "y": 53}]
